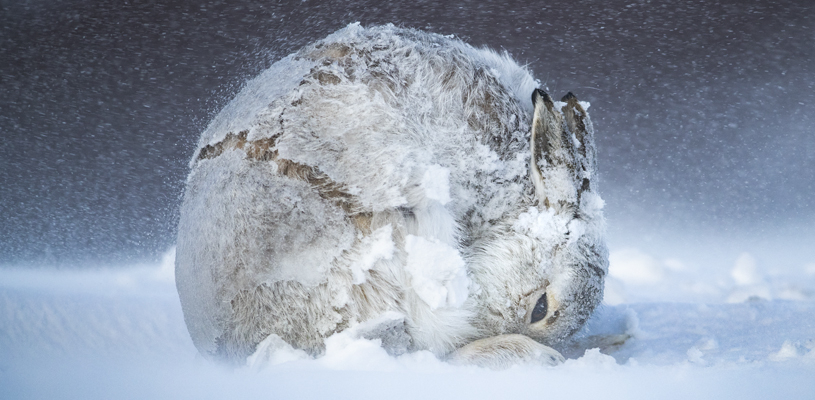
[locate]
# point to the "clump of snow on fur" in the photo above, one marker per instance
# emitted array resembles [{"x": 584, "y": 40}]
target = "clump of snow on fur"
[
  {"x": 591, "y": 205},
  {"x": 546, "y": 225},
  {"x": 378, "y": 246},
  {"x": 436, "y": 183},
  {"x": 438, "y": 272}
]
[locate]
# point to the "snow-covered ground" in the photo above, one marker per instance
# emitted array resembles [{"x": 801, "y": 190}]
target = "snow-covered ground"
[{"x": 740, "y": 331}]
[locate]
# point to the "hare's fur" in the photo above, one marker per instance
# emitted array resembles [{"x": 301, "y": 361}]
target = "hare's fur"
[{"x": 387, "y": 171}]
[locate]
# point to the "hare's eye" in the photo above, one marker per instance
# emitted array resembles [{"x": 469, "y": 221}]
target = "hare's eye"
[{"x": 539, "y": 312}]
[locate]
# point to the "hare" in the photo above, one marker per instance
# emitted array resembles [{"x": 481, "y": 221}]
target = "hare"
[{"x": 401, "y": 177}]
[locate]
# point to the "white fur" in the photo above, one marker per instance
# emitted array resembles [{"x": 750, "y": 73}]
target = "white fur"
[{"x": 317, "y": 193}]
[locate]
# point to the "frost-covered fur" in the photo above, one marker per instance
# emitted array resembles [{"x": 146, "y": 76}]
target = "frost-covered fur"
[{"x": 387, "y": 171}]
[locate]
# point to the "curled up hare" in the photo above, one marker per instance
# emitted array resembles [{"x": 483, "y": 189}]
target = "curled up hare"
[{"x": 400, "y": 184}]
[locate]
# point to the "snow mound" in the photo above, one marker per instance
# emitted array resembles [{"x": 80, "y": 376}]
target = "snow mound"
[{"x": 119, "y": 333}]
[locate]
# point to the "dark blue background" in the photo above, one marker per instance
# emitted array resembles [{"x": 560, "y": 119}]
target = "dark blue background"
[{"x": 704, "y": 109}]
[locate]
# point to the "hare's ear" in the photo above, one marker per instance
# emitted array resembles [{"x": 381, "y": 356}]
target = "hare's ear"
[
  {"x": 563, "y": 154},
  {"x": 546, "y": 138},
  {"x": 579, "y": 124}
]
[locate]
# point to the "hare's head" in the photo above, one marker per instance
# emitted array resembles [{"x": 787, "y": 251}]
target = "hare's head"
[
  {"x": 565, "y": 302},
  {"x": 547, "y": 300},
  {"x": 541, "y": 274}
]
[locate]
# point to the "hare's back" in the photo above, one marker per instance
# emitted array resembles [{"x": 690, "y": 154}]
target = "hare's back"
[{"x": 293, "y": 176}]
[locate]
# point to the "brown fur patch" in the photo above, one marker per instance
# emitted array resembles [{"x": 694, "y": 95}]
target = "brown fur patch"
[
  {"x": 333, "y": 51},
  {"x": 262, "y": 150}
]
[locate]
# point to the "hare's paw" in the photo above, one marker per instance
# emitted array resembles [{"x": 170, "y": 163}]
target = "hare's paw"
[
  {"x": 504, "y": 351},
  {"x": 563, "y": 155}
]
